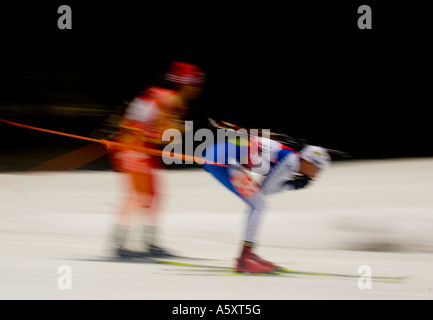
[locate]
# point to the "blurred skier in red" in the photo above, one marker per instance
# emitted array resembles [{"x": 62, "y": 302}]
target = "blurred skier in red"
[{"x": 146, "y": 118}]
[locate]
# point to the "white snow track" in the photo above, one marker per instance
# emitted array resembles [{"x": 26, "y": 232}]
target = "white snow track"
[{"x": 375, "y": 213}]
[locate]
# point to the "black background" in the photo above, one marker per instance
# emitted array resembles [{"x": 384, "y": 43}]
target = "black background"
[{"x": 302, "y": 69}]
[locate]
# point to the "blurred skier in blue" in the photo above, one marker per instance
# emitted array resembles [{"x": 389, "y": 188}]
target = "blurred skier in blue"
[{"x": 281, "y": 168}]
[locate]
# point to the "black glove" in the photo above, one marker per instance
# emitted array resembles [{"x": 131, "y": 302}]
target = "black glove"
[{"x": 297, "y": 183}]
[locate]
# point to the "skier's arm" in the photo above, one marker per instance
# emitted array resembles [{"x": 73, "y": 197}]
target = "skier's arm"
[
  {"x": 297, "y": 183},
  {"x": 172, "y": 116},
  {"x": 281, "y": 174}
]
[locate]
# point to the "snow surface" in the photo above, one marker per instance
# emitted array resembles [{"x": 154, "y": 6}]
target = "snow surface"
[{"x": 377, "y": 213}]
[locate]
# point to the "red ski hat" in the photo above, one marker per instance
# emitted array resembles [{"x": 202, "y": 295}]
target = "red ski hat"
[{"x": 185, "y": 73}]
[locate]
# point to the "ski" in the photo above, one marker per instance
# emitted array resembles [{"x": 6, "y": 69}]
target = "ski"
[{"x": 204, "y": 269}]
